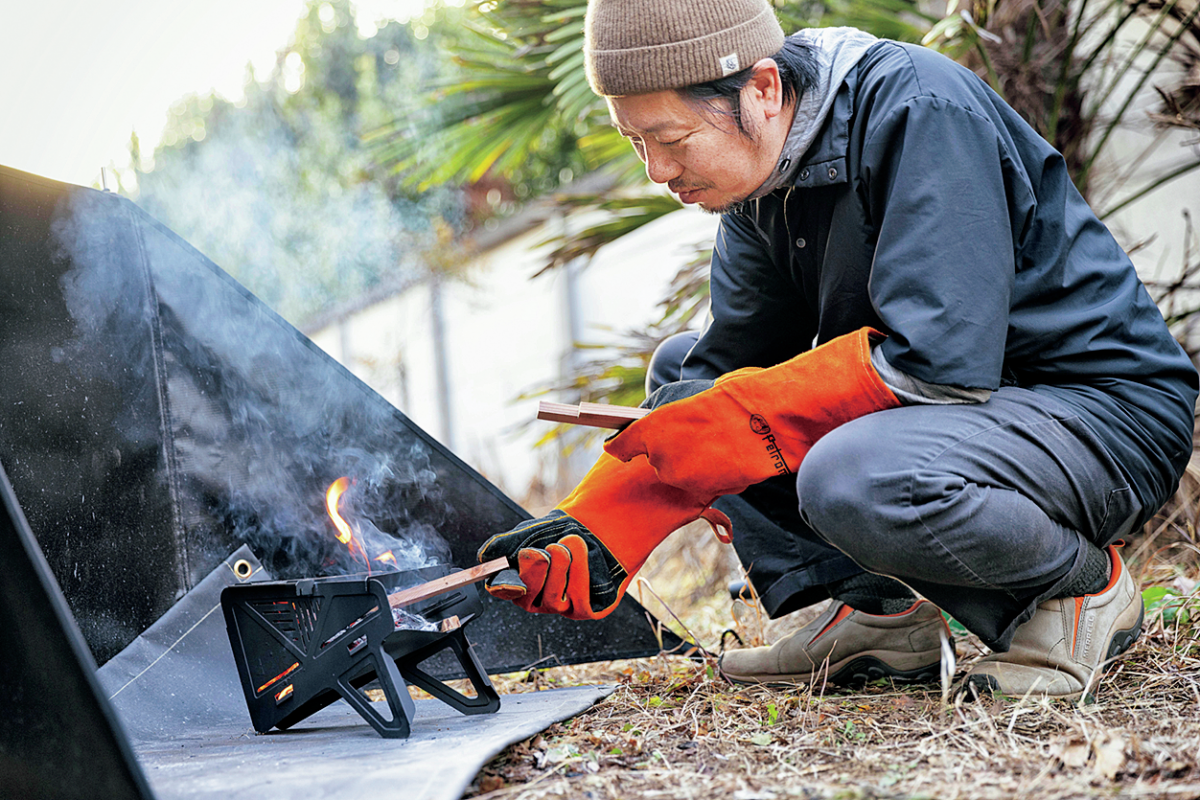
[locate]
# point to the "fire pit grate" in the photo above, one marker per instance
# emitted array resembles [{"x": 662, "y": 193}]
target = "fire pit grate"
[{"x": 302, "y": 644}]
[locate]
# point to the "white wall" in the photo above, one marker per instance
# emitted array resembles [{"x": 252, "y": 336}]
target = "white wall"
[
  {"x": 505, "y": 335},
  {"x": 1155, "y": 225}
]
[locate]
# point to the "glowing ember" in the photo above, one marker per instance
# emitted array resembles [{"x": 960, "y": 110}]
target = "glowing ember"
[
  {"x": 344, "y": 534},
  {"x": 279, "y": 677}
]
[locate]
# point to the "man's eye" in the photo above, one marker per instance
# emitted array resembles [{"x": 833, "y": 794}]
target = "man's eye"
[{"x": 672, "y": 142}]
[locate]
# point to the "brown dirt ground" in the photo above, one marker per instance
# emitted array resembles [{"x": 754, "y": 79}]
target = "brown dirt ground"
[{"x": 674, "y": 729}]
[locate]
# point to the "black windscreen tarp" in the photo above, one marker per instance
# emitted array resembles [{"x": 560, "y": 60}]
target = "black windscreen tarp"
[
  {"x": 60, "y": 739},
  {"x": 154, "y": 416}
]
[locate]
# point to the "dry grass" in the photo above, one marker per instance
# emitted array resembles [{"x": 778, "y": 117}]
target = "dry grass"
[{"x": 673, "y": 729}]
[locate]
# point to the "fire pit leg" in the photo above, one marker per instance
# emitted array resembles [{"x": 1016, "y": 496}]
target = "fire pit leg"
[
  {"x": 394, "y": 689},
  {"x": 485, "y": 701}
]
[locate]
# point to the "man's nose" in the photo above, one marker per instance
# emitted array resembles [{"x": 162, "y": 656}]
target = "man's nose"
[{"x": 660, "y": 167}]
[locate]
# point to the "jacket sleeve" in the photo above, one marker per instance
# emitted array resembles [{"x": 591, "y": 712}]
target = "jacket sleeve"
[
  {"x": 757, "y": 317},
  {"x": 942, "y": 192}
]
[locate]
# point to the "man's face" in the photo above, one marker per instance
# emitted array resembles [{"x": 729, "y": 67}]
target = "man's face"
[{"x": 700, "y": 155}]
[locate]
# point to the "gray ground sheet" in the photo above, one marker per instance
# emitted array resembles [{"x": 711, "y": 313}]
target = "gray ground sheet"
[{"x": 177, "y": 692}]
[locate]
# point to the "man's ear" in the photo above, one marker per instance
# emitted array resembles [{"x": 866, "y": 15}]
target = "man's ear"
[{"x": 765, "y": 88}]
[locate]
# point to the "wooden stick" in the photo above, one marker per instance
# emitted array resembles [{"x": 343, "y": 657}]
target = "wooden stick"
[
  {"x": 596, "y": 415},
  {"x": 558, "y": 412},
  {"x": 446, "y": 583}
]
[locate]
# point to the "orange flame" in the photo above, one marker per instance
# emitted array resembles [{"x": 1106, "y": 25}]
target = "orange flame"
[
  {"x": 344, "y": 534},
  {"x": 387, "y": 558}
]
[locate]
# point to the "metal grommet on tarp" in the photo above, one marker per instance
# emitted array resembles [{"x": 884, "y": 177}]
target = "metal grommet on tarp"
[{"x": 243, "y": 569}]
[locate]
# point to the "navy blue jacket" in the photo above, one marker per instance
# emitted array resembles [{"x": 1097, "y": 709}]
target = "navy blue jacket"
[{"x": 927, "y": 208}]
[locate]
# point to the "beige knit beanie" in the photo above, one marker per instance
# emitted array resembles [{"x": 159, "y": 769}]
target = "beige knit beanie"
[{"x": 642, "y": 46}]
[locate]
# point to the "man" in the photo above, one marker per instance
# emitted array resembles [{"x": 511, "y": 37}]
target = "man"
[{"x": 929, "y": 367}]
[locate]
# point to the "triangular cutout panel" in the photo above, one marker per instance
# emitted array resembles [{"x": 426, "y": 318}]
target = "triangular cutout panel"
[{"x": 154, "y": 415}]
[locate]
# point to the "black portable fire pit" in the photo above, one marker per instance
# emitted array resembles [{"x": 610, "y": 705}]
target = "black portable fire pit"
[{"x": 301, "y": 644}]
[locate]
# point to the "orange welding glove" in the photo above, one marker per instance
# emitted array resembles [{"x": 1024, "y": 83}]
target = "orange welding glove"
[
  {"x": 578, "y": 559},
  {"x": 757, "y": 423}
]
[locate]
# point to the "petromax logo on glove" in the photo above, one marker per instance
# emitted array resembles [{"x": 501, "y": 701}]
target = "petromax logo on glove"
[{"x": 760, "y": 426}]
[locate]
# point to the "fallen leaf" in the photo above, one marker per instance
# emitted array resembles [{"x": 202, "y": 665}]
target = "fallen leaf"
[
  {"x": 1109, "y": 748},
  {"x": 561, "y": 753},
  {"x": 490, "y": 783},
  {"x": 751, "y": 794},
  {"x": 1072, "y": 752},
  {"x": 1105, "y": 752}
]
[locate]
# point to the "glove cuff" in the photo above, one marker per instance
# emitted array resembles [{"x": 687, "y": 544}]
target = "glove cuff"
[
  {"x": 757, "y": 423},
  {"x": 630, "y": 510}
]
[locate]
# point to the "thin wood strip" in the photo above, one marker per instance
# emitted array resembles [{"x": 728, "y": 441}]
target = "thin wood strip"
[
  {"x": 595, "y": 415},
  {"x": 559, "y": 408},
  {"x": 446, "y": 583},
  {"x": 630, "y": 411},
  {"x": 558, "y": 412}
]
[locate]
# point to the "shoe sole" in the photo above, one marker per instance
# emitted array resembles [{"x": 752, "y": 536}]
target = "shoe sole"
[
  {"x": 1121, "y": 641},
  {"x": 861, "y": 670}
]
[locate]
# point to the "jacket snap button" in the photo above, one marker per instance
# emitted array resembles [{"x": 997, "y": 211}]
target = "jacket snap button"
[
  {"x": 832, "y": 173},
  {"x": 800, "y": 243},
  {"x": 804, "y": 174}
]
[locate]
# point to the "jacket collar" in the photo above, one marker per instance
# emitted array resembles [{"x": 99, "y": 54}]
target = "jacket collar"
[
  {"x": 802, "y": 160},
  {"x": 824, "y": 164}
]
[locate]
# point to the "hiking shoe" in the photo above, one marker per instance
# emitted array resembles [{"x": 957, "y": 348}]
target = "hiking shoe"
[
  {"x": 848, "y": 646},
  {"x": 1066, "y": 642}
]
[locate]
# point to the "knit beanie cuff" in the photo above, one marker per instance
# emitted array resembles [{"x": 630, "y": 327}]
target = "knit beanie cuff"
[{"x": 648, "y": 63}]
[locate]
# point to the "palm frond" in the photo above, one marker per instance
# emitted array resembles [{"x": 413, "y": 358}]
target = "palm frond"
[
  {"x": 521, "y": 91},
  {"x": 901, "y": 20}
]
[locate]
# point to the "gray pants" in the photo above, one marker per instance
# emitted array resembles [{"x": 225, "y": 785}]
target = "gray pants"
[{"x": 983, "y": 509}]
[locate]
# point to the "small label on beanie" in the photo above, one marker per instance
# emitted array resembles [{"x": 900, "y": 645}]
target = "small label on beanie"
[{"x": 729, "y": 64}]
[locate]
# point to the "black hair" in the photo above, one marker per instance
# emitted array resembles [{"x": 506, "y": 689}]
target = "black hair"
[{"x": 797, "y": 72}]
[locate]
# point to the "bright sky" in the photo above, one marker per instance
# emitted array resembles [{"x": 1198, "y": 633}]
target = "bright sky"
[{"x": 78, "y": 76}]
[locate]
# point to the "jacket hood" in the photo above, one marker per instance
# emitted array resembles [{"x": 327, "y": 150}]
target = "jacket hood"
[{"x": 837, "y": 51}]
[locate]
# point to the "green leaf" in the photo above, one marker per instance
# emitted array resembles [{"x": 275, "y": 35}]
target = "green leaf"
[
  {"x": 1173, "y": 605},
  {"x": 956, "y": 627},
  {"x": 1151, "y": 594}
]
